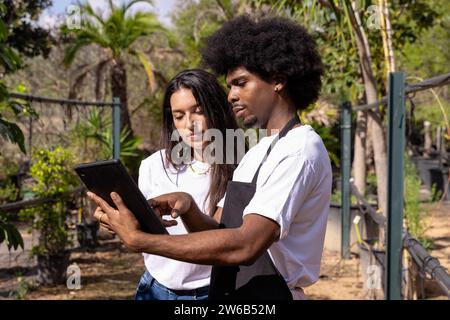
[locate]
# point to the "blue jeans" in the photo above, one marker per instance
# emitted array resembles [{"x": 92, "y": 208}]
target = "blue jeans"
[{"x": 150, "y": 289}]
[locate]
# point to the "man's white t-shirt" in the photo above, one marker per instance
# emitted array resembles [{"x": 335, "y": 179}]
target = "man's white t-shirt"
[
  {"x": 293, "y": 189},
  {"x": 153, "y": 182}
]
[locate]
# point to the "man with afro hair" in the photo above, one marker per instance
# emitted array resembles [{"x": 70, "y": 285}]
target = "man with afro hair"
[
  {"x": 265, "y": 240},
  {"x": 278, "y": 52}
]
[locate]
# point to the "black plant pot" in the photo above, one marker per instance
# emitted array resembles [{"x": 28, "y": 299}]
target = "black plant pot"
[
  {"x": 433, "y": 174},
  {"x": 87, "y": 234},
  {"x": 439, "y": 179},
  {"x": 424, "y": 167},
  {"x": 52, "y": 268}
]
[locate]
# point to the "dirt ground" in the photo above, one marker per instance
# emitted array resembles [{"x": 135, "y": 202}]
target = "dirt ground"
[
  {"x": 342, "y": 279},
  {"x": 111, "y": 272}
]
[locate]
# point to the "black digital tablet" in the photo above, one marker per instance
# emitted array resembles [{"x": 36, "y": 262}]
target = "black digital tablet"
[{"x": 104, "y": 177}]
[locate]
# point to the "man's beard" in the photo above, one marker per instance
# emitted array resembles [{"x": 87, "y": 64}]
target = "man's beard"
[{"x": 250, "y": 121}]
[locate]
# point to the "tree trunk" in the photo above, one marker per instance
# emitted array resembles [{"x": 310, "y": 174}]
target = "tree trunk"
[
  {"x": 374, "y": 118},
  {"x": 359, "y": 159},
  {"x": 390, "y": 48},
  {"x": 119, "y": 89},
  {"x": 380, "y": 158}
]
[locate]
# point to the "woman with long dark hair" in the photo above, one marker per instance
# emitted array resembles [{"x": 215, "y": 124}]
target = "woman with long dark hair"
[{"x": 194, "y": 102}]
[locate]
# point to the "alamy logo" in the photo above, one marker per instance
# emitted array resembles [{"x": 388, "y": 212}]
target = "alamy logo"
[
  {"x": 73, "y": 277},
  {"x": 373, "y": 22},
  {"x": 374, "y": 277},
  {"x": 73, "y": 19}
]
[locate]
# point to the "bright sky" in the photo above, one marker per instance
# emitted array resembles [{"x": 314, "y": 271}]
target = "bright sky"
[{"x": 50, "y": 16}]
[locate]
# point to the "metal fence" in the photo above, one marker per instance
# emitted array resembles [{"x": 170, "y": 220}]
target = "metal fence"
[
  {"x": 32, "y": 138},
  {"x": 115, "y": 105},
  {"x": 397, "y": 237}
]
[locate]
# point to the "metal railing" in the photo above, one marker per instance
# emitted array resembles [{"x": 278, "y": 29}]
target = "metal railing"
[
  {"x": 115, "y": 105},
  {"x": 427, "y": 263},
  {"x": 395, "y": 99},
  {"x": 22, "y": 204}
]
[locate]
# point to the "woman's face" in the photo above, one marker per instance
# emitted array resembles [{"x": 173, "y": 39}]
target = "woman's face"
[{"x": 188, "y": 118}]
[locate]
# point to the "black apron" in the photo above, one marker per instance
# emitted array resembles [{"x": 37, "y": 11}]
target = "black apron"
[{"x": 261, "y": 280}]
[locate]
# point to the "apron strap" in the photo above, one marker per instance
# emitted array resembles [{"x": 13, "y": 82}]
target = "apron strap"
[{"x": 295, "y": 120}]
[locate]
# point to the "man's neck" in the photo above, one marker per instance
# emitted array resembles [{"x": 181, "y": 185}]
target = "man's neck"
[{"x": 279, "y": 118}]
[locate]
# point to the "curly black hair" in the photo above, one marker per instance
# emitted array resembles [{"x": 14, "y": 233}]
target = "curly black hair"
[{"x": 271, "y": 47}]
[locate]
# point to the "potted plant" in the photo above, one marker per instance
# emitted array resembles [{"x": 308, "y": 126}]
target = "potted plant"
[{"x": 52, "y": 179}]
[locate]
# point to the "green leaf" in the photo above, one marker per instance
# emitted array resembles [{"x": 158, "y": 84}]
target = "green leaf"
[
  {"x": 10, "y": 131},
  {"x": 17, "y": 240},
  {"x": 148, "y": 67},
  {"x": 9, "y": 59},
  {"x": 16, "y": 107},
  {"x": 73, "y": 50},
  {"x": 10, "y": 236},
  {"x": 133, "y": 2},
  {"x": 3, "y": 92},
  {"x": 3, "y": 31}
]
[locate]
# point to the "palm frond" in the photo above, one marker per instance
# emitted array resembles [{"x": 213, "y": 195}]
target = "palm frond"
[
  {"x": 72, "y": 50},
  {"x": 131, "y": 3},
  {"x": 87, "y": 9},
  {"x": 148, "y": 67}
]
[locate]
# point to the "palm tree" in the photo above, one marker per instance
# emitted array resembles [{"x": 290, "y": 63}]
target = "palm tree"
[{"x": 116, "y": 34}]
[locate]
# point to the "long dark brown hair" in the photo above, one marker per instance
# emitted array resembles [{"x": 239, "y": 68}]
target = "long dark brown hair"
[{"x": 212, "y": 99}]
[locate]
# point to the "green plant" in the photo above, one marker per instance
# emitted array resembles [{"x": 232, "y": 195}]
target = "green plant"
[
  {"x": 23, "y": 287},
  {"x": 9, "y": 61},
  {"x": 96, "y": 130},
  {"x": 86, "y": 135},
  {"x": 336, "y": 198},
  {"x": 435, "y": 193},
  {"x": 53, "y": 178},
  {"x": 9, "y": 234},
  {"x": 128, "y": 143},
  {"x": 8, "y": 192},
  {"x": 371, "y": 183},
  {"x": 413, "y": 214}
]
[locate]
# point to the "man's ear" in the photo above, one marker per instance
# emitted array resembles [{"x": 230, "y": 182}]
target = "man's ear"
[{"x": 279, "y": 81}]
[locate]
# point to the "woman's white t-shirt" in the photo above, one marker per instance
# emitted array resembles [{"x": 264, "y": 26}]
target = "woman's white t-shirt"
[{"x": 155, "y": 179}]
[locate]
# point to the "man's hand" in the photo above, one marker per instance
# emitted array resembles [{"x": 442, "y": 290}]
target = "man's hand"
[
  {"x": 121, "y": 221},
  {"x": 101, "y": 216}
]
